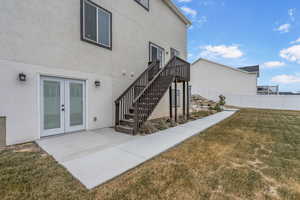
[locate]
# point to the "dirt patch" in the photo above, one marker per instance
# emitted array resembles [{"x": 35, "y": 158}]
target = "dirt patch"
[{"x": 155, "y": 125}]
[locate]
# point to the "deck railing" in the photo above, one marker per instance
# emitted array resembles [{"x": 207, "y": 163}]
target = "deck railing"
[
  {"x": 143, "y": 95},
  {"x": 125, "y": 101},
  {"x": 144, "y": 104}
]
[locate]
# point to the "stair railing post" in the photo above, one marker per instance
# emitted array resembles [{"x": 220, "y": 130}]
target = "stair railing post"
[
  {"x": 188, "y": 100},
  {"x": 175, "y": 96},
  {"x": 170, "y": 100},
  {"x": 136, "y": 118},
  {"x": 183, "y": 98},
  {"x": 117, "y": 122}
]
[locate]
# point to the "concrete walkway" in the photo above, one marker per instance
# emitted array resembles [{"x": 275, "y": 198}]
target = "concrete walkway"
[{"x": 95, "y": 157}]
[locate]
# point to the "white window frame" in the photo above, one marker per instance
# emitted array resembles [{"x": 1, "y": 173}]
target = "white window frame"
[
  {"x": 98, "y": 8},
  {"x": 147, "y": 7}
]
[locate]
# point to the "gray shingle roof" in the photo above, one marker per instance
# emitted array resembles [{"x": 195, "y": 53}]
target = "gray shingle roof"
[{"x": 251, "y": 69}]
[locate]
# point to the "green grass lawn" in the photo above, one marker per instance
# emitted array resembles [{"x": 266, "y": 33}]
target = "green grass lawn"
[{"x": 255, "y": 154}]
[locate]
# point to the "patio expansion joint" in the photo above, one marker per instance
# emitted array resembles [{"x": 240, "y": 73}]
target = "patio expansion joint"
[{"x": 133, "y": 154}]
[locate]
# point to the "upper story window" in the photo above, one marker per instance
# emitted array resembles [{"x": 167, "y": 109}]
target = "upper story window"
[
  {"x": 96, "y": 24},
  {"x": 144, "y": 3}
]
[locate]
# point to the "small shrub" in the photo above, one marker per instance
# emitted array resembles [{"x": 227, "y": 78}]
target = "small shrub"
[
  {"x": 217, "y": 108},
  {"x": 222, "y": 101}
]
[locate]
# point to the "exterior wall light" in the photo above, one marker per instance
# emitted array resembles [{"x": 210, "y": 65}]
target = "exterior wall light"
[
  {"x": 97, "y": 83},
  {"x": 22, "y": 77}
]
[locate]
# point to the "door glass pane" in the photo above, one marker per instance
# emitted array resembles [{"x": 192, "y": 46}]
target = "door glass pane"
[
  {"x": 153, "y": 53},
  {"x": 160, "y": 56},
  {"x": 51, "y": 105},
  {"x": 76, "y": 104},
  {"x": 90, "y": 17},
  {"x": 157, "y": 54},
  {"x": 104, "y": 27}
]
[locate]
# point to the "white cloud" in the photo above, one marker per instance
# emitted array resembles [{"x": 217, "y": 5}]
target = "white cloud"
[
  {"x": 291, "y": 13},
  {"x": 222, "y": 51},
  {"x": 206, "y": 3},
  {"x": 284, "y": 28},
  {"x": 189, "y": 11},
  {"x": 273, "y": 64},
  {"x": 291, "y": 54},
  {"x": 286, "y": 79},
  {"x": 296, "y": 41},
  {"x": 202, "y": 20},
  {"x": 184, "y": 1}
]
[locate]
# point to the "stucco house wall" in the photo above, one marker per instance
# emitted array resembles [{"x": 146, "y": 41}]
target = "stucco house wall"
[
  {"x": 163, "y": 109},
  {"x": 43, "y": 38},
  {"x": 214, "y": 78}
]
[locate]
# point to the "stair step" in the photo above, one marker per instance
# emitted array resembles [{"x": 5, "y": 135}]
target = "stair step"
[
  {"x": 127, "y": 122},
  {"x": 124, "y": 129},
  {"x": 141, "y": 108},
  {"x": 151, "y": 97},
  {"x": 146, "y": 103},
  {"x": 129, "y": 116},
  {"x": 154, "y": 94},
  {"x": 146, "y": 98}
]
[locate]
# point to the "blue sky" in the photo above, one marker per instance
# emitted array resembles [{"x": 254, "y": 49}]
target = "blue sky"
[{"x": 248, "y": 32}]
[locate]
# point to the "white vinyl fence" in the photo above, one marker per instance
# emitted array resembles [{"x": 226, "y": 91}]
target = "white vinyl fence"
[{"x": 282, "y": 102}]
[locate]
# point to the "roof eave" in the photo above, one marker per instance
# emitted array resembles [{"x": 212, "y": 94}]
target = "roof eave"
[
  {"x": 232, "y": 68},
  {"x": 176, "y": 10}
]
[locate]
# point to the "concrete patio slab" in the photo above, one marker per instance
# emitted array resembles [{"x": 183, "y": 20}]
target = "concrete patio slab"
[
  {"x": 95, "y": 157},
  {"x": 99, "y": 167},
  {"x": 76, "y": 145}
]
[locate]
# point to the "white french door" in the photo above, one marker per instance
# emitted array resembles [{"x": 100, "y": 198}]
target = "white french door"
[
  {"x": 62, "y": 105},
  {"x": 75, "y": 105}
]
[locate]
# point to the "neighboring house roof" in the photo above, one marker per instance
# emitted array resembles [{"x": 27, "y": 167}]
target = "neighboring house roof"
[
  {"x": 228, "y": 67},
  {"x": 251, "y": 69},
  {"x": 288, "y": 93},
  {"x": 178, "y": 12}
]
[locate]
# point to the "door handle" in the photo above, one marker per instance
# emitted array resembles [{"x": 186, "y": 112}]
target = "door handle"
[{"x": 62, "y": 107}]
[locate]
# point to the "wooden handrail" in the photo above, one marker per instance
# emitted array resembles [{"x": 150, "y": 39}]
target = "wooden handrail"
[
  {"x": 143, "y": 95},
  {"x": 152, "y": 65},
  {"x": 155, "y": 77},
  {"x": 145, "y": 103}
]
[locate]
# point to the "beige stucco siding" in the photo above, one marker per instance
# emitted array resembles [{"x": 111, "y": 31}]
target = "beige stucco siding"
[
  {"x": 208, "y": 77},
  {"x": 43, "y": 38},
  {"x": 163, "y": 108},
  {"x": 48, "y": 34}
]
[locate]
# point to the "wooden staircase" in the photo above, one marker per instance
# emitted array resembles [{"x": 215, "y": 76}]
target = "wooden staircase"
[{"x": 136, "y": 104}]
